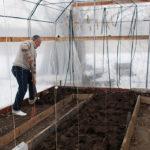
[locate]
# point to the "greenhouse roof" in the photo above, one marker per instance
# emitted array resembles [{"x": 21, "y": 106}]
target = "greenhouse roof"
[
  {"x": 37, "y": 10},
  {"x": 46, "y": 10}
]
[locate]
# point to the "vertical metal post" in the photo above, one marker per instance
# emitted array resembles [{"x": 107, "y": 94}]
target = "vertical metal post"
[
  {"x": 29, "y": 28},
  {"x": 148, "y": 53},
  {"x": 94, "y": 46}
]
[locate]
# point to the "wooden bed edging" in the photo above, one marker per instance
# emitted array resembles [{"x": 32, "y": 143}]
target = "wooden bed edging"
[
  {"x": 44, "y": 133},
  {"x": 129, "y": 133},
  {"x": 130, "y": 129},
  {"x": 145, "y": 100},
  {"x": 7, "y": 138}
]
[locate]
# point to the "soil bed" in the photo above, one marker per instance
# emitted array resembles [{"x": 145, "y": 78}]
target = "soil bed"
[
  {"x": 99, "y": 125},
  {"x": 7, "y": 122}
]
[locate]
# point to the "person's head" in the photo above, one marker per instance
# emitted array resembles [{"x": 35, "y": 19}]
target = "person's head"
[{"x": 37, "y": 40}]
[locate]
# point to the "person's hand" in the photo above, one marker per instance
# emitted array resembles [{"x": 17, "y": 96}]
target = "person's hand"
[
  {"x": 34, "y": 80},
  {"x": 30, "y": 61}
]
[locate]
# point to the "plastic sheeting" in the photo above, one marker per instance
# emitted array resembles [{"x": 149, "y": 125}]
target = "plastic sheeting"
[
  {"x": 47, "y": 10},
  {"x": 73, "y": 62}
]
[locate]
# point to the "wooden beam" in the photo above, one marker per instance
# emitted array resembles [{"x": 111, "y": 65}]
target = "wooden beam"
[
  {"x": 88, "y": 4},
  {"x": 79, "y": 38},
  {"x": 138, "y": 37},
  {"x": 19, "y": 39},
  {"x": 106, "y": 2},
  {"x": 131, "y": 127}
]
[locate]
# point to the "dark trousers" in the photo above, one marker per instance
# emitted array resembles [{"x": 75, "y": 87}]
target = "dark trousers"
[{"x": 24, "y": 79}]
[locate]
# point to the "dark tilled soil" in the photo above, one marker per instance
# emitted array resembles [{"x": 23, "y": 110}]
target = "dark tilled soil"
[
  {"x": 9, "y": 121},
  {"x": 99, "y": 125},
  {"x": 40, "y": 126}
]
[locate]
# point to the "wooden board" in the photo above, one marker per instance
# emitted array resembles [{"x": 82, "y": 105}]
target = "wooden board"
[
  {"x": 83, "y": 99},
  {"x": 79, "y": 38},
  {"x": 7, "y": 138},
  {"x": 145, "y": 99},
  {"x": 19, "y": 39},
  {"x": 130, "y": 129},
  {"x": 132, "y": 124}
]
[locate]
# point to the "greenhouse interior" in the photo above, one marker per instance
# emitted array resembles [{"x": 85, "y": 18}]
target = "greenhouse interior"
[{"x": 76, "y": 75}]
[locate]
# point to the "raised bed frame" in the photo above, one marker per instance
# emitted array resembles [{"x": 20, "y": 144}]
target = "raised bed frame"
[
  {"x": 7, "y": 138},
  {"x": 132, "y": 123},
  {"x": 18, "y": 131}
]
